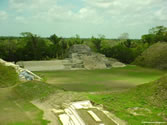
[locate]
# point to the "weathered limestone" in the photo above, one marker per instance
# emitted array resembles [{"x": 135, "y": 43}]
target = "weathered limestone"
[
  {"x": 118, "y": 64},
  {"x": 91, "y": 60},
  {"x": 43, "y": 65},
  {"x": 71, "y": 115},
  {"x": 65, "y": 119},
  {"x": 57, "y": 111},
  {"x": 24, "y": 74},
  {"x": 94, "y": 116}
]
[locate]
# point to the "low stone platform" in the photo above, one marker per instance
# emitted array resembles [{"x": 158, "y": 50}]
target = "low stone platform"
[
  {"x": 73, "y": 116},
  {"x": 80, "y": 57}
]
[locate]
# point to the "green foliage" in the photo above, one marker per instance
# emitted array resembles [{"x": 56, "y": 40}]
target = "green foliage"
[
  {"x": 8, "y": 76},
  {"x": 33, "y": 47},
  {"x": 154, "y": 56},
  {"x": 126, "y": 51},
  {"x": 34, "y": 90},
  {"x": 97, "y": 42},
  {"x": 60, "y": 46},
  {"x": 75, "y": 40},
  {"x": 55, "y": 50},
  {"x": 8, "y": 50},
  {"x": 156, "y": 34}
]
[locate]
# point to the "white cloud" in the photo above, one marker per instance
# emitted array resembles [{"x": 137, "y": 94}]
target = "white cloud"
[
  {"x": 162, "y": 14},
  {"x": 21, "y": 19},
  {"x": 17, "y": 5},
  {"x": 3, "y": 15},
  {"x": 104, "y": 13}
]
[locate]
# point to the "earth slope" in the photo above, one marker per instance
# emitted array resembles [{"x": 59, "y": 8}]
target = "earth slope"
[
  {"x": 145, "y": 103},
  {"x": 8, "y": 76},
  {"x": 154, "y": 56}
]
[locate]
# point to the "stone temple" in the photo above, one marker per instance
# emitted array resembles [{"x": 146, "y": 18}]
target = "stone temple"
[{"x": 79, "y": 57}]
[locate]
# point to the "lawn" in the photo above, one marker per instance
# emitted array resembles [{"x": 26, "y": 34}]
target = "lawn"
[
  {"x": 15, "y": 111},
  {"x": 139, "y": 100},
  {"x": 106, "y": 85},
  {"x": 101, "y": 80}
]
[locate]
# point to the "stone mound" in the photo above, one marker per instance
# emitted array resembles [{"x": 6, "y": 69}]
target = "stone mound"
[
  {"x": 154, "y": 56},
  {"x": 90, "y": 60},
  {"x": 24, "y": 74},
  {"x": 79, "y": 49}
]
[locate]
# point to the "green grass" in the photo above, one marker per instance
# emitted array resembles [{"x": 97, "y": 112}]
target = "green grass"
[
  {"x": 101, "y": 80},
  {"x": 34, "y": 90},
  {"x": 15, "y": 107},
  {"x": 113, "y": 79},
  {"x": 144, "y": 97},
  {"x": 8, "y": 76},
  {"x": 154, "y": 56},
  {"x": 16, "y": 111}
]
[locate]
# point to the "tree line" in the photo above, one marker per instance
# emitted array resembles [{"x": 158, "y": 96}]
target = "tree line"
[{"x": 33, "y": 47}]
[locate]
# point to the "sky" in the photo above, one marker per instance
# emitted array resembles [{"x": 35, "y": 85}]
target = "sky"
[{"x": 86, "y": 18}]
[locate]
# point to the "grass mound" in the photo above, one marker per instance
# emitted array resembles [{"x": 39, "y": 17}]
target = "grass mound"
[
  {"x": 160, "y": 95},
  {"x": 8, "y": 76},
  {"x": 154, "y": 56},
  {"x": 147, "y": 102},
  {"x": 34, "y": 90}
]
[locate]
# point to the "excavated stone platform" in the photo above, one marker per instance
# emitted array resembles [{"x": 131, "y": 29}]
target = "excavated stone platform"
[{"x": 80, "y": 57}]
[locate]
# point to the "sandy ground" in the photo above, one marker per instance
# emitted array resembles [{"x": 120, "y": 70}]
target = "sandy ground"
[{"x": 48, "y": 115}]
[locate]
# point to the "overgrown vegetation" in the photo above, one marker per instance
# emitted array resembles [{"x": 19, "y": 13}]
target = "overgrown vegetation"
[
  {"x": 156, "y": 34},
  {"x": 154, "y": 56},
  {"x": 8, "y": 76}
]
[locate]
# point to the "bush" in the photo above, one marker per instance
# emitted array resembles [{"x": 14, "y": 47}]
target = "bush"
[{"x": 125, "y": 52}]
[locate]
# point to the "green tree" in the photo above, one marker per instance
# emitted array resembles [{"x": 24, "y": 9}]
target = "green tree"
[
  {"x": 156, "y": 34},
  {"x": 35, "y": 46},
  {"x": 55, "y": 48},
  {"x": 8, "y": 50},
  {"x": 98, "y": 42}
]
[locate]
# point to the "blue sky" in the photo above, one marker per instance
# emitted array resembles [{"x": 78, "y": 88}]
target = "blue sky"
[{"x": 84, "y": 17}]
